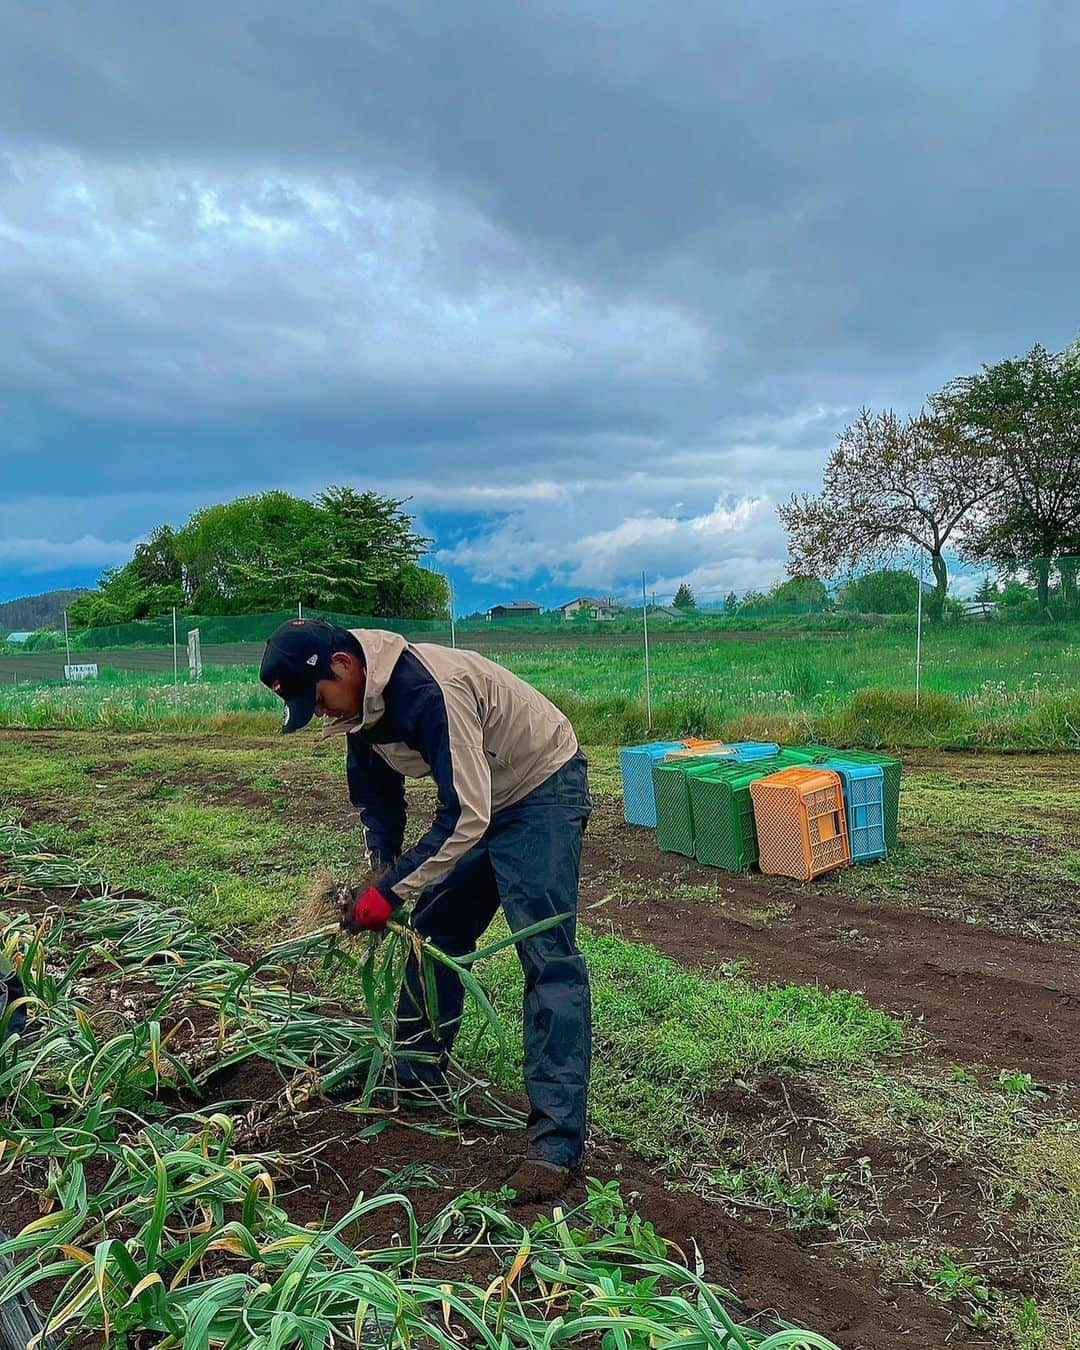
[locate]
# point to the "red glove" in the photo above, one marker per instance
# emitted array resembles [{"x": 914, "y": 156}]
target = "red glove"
[{"x": 367, "y": 912}]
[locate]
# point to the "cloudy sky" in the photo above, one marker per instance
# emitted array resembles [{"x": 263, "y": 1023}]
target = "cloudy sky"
[{"x": 594, "y": 283}]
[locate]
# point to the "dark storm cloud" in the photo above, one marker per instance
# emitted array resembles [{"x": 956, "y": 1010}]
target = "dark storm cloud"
[{"x": 650, "y": 256}]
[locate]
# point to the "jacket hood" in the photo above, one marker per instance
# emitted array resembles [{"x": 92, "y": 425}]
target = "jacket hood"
[{"x": 382, "y": 651}]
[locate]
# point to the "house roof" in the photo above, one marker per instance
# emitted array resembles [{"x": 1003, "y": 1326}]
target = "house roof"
[
  {"x": 19, "y": 637},
  {"x": 582, "y": 600},
  {"x": 517, "y": 604}
]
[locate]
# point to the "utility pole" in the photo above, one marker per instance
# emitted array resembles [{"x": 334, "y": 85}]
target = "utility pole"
[
  {"x": 67, "y": 640},
  {"x": 918, "y": 636},
  {"x": 175, "y": 661},
  {"x": 453, "y": 626},
  {"x": 645, "y": 630}
]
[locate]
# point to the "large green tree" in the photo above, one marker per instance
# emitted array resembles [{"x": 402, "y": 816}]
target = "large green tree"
[
  {"x": 354, "y": 552},
  {"x": 1024, "y": 414},
  {"x": 891, "y": 485},
  {"x": 151, "y": 583}
]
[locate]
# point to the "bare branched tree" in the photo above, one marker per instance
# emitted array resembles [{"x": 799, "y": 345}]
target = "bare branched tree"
[{"x": 890, "y": 486}]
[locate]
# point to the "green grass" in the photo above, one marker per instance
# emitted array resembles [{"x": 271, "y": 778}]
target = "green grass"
[
  {"x": 1005, "y": 686},
  {"x": 222, "y": 864},
  {"x": 664, "y": 1036}
]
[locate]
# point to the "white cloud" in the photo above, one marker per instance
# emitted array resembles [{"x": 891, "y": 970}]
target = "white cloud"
[
  {"x": 31, "y": 555},
  {"x": 726, "y": 544}
]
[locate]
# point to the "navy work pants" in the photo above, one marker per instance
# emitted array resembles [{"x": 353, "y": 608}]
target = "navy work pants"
[{"x": 529, "y": 861}]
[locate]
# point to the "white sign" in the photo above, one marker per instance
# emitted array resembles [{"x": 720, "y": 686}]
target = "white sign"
[
  {"x": 194, "y": 654},
  {"x": 81, "y": 672}
]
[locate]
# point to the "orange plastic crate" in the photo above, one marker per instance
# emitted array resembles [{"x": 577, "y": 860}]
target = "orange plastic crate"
[
  {"x": 701, "y": 749},
  {"x": 801, "y": 829}
]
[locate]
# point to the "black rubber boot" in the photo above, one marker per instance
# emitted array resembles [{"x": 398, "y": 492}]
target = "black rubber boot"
[{"x": 536, "y": 1182}]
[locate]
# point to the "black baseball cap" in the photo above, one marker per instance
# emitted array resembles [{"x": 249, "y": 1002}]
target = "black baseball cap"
[{"x": 297, "y": 657}]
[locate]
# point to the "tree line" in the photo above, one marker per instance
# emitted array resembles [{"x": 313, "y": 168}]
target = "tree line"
[
  {"x": 347, "y": 551},
  {"x": 990, "y": 468}
]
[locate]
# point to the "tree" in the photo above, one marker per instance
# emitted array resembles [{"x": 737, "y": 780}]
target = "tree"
[
  {"x": 889, "y": 485},
  {"x": 684, "y": 598},
  {"x": 348, "y": 551},
  {"x": 413, "y": 593},
  {"x": 1024, "y": 414},
  {"x": 254, "y": 553},
  {"x": 987, "y": 594},
  {"x": 151, "y": 583},
  {"x": 731, "y": 603},
  {"x": 888, "y": 591},
  {"x": 802, "y": 592}
]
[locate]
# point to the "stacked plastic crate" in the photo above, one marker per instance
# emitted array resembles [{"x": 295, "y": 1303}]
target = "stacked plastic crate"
[
  {"x": 672, "y": 778},
  {"x": 722, "y": 810},
  {"x": 891, "y": 771},
  {"x": 801, "y": 823},
  {"x": 636, "y": 762},
  {"x": 864, "y": 807},
  {"x": 736, "y": 804}
]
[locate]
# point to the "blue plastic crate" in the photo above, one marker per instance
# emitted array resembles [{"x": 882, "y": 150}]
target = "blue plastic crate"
[
  {"x": 745, "y": 751},
  {"x": 864, "y": 807},
  {"x": 636, "y": 761}
]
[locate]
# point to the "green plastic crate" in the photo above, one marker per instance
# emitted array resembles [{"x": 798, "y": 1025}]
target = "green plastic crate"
[
  {"x": 722, "y": 811},
  {"x": 674, "y": 824},
  {"x": 891, "y": 769}
]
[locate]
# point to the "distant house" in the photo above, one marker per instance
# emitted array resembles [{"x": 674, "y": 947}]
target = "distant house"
[
  {"x": 519, "y": 609},
  {"x": 590, "y": 605},
  {"x": 18, "y": 637}
]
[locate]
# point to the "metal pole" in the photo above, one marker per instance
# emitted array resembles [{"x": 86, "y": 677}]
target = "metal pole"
[
  {"x": 175, "y": 663},
  {"x": 918, "y": 636},
  {"x": 645, "y": 630},
  {"x": 67, "y": 640},
  {"x": 453, "y": 627},
  {"x": 299, "y": 609}
]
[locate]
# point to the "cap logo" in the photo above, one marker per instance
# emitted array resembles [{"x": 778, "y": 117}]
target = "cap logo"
[{"x": 313, "y": 659}]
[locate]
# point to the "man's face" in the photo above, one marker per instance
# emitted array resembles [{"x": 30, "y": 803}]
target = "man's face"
[{"x": 342, "y": 696}]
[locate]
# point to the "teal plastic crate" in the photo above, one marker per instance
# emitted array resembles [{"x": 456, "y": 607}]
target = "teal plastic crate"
[
  {"x": 636, "y": 761},
  {"x": 864, "y": 807},
  {"x": 892, "y": 771}
]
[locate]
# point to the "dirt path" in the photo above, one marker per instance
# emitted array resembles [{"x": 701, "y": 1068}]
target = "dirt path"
[
  {"x": 985, "y": 997},
  {"x": 982, "y": 995}
]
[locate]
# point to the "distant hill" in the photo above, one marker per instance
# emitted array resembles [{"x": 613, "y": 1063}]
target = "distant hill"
[{"x": 36, "y": 611}]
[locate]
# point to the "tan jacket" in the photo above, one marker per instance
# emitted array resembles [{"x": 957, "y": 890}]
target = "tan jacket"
[{"x": 485, "y": 736}]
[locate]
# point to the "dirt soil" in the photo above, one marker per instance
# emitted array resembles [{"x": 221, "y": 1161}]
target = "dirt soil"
[
  {"x": 772, "y": 1271},
  {"x": 983, "y": 998},
  {"x": 978, "y": 993}
]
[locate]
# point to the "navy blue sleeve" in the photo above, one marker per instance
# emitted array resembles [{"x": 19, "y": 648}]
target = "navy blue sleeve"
[
  {"x": 378, "y": 792},
  {"x": 445, "y": 728}
]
